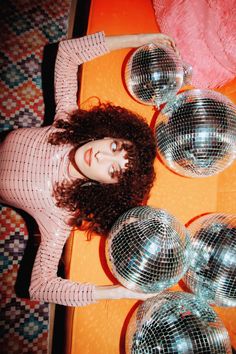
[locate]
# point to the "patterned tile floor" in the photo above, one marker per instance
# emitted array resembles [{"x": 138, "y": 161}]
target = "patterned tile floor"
[{"x": 26, "y": 27}]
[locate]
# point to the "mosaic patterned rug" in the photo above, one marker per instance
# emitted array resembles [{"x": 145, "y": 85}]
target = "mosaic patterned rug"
[{"x": 26, "y": 27}]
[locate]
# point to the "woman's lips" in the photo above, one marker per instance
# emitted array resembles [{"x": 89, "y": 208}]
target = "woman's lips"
[{"x": 88, "y": 156}]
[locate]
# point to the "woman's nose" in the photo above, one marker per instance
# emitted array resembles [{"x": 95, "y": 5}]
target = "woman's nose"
[
  {"x": 102, "y": 155},
  {"x": 107, "y": 156}
]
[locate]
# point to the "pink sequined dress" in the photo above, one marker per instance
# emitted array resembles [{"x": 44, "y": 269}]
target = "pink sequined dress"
[
  {"x": 29, "y": 169},
  {"x": 205, "y": 34}
]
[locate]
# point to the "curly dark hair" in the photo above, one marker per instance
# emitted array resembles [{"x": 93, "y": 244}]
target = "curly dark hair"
[{"x": 96, "y": 206}]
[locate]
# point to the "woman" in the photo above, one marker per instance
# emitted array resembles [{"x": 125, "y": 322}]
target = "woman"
[{"x": 84, "y": 170}]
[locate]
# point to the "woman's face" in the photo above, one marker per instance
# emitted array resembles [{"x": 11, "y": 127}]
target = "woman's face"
[{"x": 102, "y": 160}]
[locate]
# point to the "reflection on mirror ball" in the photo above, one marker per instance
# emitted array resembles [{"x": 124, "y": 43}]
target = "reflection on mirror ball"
[
  {"x": 148, "y": 249},
  {"x": 176, "y": 323},
  {"x": 196, "y": 133},
  {"x": 154, "y": 74},
  {"x": 212, "y": 274}
]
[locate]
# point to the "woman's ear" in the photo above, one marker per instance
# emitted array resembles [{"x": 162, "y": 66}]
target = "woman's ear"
[{"x": 88, "y": 183}]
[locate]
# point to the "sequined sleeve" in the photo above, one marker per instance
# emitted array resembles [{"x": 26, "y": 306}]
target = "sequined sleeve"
[
  {"x": 72, "y": 53},
  {"x": 45, "y": 285}
]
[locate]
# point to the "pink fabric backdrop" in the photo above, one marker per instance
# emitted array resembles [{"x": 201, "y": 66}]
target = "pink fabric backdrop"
[{"x": 205, "y": 33}]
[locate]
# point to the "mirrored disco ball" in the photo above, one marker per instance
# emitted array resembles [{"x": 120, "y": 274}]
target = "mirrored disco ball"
[
  {"x": 196, "y": 133},
  {"x": 212, "y": 272},
  {"x": 176, "y": 323},
  {"x": 155, "y": 73},
  {"x": 148, "y": 249}
]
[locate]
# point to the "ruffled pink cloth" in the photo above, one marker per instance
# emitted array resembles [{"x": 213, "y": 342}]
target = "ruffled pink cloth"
[{"x": 205, "y": 34}]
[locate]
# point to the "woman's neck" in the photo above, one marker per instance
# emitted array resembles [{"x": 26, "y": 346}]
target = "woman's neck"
[
  {"x": 73, "y": 168},
  {"x": 74, "y": 172}
]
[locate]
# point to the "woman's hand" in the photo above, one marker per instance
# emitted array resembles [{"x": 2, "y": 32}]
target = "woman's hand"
[
  {"x": 137, "y": 40},
  {"x": 118, "y": 292}
]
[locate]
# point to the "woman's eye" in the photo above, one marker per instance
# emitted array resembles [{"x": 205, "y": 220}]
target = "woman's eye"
[{"x": 114, "y": 146}]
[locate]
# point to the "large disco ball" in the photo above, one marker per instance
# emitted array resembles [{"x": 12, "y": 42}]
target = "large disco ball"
[
  {"x": 212, "y": 272},
  {"x": 148, "y": 249},
  {"x": 176, "y": 323},
  {"x": 155, "y": 73},
  {"x": 196, "y": 133}
]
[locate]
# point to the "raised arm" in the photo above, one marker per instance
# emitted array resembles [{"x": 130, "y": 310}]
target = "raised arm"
[
  {"x": 45, "y": 285},
  {"x": 74, "y": 52},
  {"x": 137, "y": 40}
]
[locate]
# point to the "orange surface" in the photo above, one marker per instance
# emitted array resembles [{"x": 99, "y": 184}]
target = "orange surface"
[{"x": 100, "y": 328}]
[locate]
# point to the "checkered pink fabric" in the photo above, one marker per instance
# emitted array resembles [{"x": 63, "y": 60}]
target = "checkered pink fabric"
[{"x": 29, "y": 169}]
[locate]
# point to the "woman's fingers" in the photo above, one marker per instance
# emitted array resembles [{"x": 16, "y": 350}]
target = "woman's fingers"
[
  {"x": 159, "y": 38},
  {"x": 166, "y": 40}
]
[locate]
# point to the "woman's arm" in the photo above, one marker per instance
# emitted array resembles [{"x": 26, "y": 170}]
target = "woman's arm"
[
  {"x": 137, "y": 40},
  {"x": 118, "y": 292},
  {"x": 74, "y": 52},
  {"x": 46, "y": 286}
]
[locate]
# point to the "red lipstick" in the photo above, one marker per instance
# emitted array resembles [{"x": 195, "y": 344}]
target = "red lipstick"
[{"x": 88, "y": 156}]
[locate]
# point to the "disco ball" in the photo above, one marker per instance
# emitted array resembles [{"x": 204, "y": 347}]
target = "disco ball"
[
  {"x": 196, "y": 133},
  {"x": 212, "y": 272},
  {"x": 155, "y": 73},
  {"x": 148, "y": 249},
  {"x": 176, "y": 323}
]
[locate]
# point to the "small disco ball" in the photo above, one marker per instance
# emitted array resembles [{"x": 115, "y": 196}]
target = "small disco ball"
[
  {"x": 148, "y": 249},
  {"x": 155, "y": 73},
  {"x": 176, "y": 323},
  {"x": 212, "y": 272},
  {"x": 196, "y": 133}
]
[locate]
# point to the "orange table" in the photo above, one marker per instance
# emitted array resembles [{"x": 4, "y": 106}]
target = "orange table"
[{"x": 100, "y": 328}]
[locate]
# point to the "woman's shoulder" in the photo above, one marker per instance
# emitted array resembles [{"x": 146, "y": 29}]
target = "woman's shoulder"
[{"x": 54, "y": 223}]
